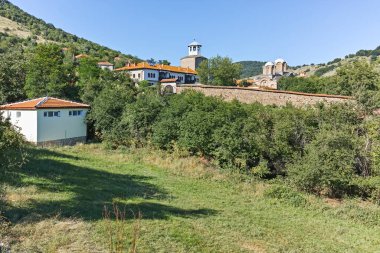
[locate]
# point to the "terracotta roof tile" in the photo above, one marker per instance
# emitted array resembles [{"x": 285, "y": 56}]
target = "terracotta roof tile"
[
  {"x": 105, "y": 63},
  {"x": 162, "y": 67},
  {"x": 43, "y": 103},
  {"x": 80, "y": 56},
  {"x": 170, "y": 80}
]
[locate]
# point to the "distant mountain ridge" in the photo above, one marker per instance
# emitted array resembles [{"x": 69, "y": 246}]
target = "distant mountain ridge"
[
  {"x": 251, "y": 68},
  {"x": 14, "y": 22}
]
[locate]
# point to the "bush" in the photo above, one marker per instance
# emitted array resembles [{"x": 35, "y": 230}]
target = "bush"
[
  {"x": 368, "y": 187},
  {"x": 328, "y": 165},
  {"x": 12, "y": 147},
  {"x": 286, "y": 195}
]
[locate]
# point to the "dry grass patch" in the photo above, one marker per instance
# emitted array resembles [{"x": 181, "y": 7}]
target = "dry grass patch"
[{"x": 54, "y": 235}]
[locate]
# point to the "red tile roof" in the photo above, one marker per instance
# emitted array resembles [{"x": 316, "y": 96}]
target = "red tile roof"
[
  {"x": 170, "y": 80},
  {"x": 105, "y": 63},
  {"x": 43, "y": 103},
  {"x": 145, "y": 65},
  {"x": 80, "y": 56}
]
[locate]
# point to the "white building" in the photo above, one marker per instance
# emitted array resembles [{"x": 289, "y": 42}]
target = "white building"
[
  {"x": 48, "y": 121},
  {"x": 105, "y": 65},
  {"x": 155, "y": 73}
]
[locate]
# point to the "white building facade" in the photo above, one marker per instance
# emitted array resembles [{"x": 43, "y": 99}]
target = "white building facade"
[
  {"x": 48, "y": 121},
  {"x": 155, "y": 73}
]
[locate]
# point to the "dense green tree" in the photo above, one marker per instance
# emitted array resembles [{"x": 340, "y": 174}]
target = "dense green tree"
[
  {"x": 361, "y": 80},
  {"x": 328, "y": 165},
  {"x": 108, "y": 108},
  {"x": 219, "y": 71},
  {"x": 12, "y": 77},
  {"x": 138, "y": 117},
  {"x": 46, "y": 73},
  {"x": 88, "y": 70}
]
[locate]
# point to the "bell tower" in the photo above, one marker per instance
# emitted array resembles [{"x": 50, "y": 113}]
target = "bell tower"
[
  {"x": 194, "y": 57},
  {"x": 194, "y": 48}
]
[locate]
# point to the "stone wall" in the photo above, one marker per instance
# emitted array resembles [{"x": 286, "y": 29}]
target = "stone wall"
[
  {"x": 265, "y": 97},
  {"x": 63, "y": 142}
]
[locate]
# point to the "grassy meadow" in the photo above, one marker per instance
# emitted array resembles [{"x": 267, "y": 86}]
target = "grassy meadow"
[{"x": 169, "y": 203}]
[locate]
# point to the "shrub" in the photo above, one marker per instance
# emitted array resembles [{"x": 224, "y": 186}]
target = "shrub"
[
  {"x": 285, "y": 194},
  {"x": 368, "y": 187},
  {"x": 328, "y": 165}
]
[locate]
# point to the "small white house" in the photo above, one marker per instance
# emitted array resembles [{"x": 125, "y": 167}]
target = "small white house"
[
  {"x": 105, "y": 65},
  {"x": 48, "y": 121}
]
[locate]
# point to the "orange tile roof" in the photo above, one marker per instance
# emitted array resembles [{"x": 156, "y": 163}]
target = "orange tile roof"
[
  {"x": 43, "y": 103},
  {"x": 162, "y": 67},
  {"x": 80, "y": 56},
  {"x": 106, "y": 63},
  {"x": 169, "y": 80}
]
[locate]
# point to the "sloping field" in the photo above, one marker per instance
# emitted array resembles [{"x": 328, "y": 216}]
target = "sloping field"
[{"x": 56, "y": 204}]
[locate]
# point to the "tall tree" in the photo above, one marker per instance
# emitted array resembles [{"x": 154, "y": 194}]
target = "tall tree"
[
  {"x": 12, "y": 76},
  {"x": 361, "y": 80},
  {"x": 219, "y": 71},
  {"x": 47, "y": 74}
]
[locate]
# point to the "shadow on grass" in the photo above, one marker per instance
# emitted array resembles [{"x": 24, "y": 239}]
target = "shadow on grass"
[{"x": 83, "y": 192}]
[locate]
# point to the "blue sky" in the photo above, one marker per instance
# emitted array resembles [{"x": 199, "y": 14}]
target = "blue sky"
[{"x": 300, "y": 31}]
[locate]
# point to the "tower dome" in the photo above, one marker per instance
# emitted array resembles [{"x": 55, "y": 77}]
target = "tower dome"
[
  {"x": 279, "y": 60},
  {"x": 269, "y": 63},
  {"x": 195, "y": 43}
]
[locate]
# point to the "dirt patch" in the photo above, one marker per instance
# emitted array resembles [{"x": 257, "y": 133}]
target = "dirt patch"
[
  {"x": 333, "y": 202},
  {"x": 257, "y": 246}
]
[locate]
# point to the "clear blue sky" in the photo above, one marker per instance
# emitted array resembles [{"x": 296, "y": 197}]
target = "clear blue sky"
[{"x": 300, "y": 31}]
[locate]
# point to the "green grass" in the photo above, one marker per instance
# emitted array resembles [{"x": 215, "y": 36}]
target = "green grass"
[{"x": 55, "y": 204}]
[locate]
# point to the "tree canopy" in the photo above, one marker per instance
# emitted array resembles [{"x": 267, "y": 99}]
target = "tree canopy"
[{"x": 219, "y": 71}]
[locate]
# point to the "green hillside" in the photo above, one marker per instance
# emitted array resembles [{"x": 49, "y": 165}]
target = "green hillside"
[
  {"x": 251, "y": 68},
  {"x": 329, "y": 68},
  {"x": 18, "y": 28}
]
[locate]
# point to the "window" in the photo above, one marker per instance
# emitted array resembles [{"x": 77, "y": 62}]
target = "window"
[
  {"x": 18, "y": 114},
  {"x": 134, "y": 75},
  {"x": 76, "y": 113},
  {"x": 139, "y": 76},
  {"x": 52, "y": 114}
]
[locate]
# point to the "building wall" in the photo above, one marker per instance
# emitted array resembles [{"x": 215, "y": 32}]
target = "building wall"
[
  {"x": 27, "y": 122},
  {"x": 63, "y": 127},
  {"x": 266, "y": 97},
  {"x": 106, "y": 67},
  {"x": 188, "y": 62},
  {"x": 136, "y": 74},
  {"x": 192, "y": 62}
]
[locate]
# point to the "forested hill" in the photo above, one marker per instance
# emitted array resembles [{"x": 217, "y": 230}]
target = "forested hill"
[
  {"x": 251, "y": 68},
  {"x": 20, "y": 28}
]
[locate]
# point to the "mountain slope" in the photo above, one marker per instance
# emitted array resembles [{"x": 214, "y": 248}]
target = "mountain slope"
[
  {"x": 14, "y": 22},
  {"x": 251, "y": 68}
]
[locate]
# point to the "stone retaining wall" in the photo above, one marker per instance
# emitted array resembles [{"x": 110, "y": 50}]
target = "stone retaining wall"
[
  {"x": 63, "y": 142},
  {"x": 265, "y": 97}
]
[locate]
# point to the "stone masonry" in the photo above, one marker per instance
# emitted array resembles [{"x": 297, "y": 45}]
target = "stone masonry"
[{"x": 265, "y": 97}]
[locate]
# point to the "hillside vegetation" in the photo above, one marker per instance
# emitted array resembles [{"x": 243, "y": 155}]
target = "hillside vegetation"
[
  {"x": 17, "y": 24},
  {"x": 251, "y": 68}
]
